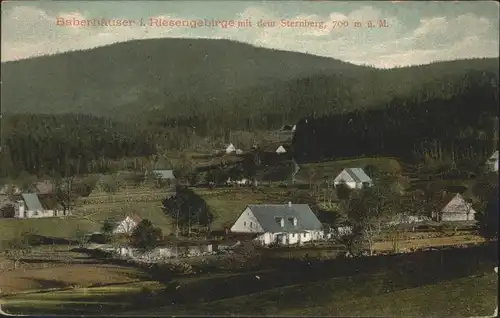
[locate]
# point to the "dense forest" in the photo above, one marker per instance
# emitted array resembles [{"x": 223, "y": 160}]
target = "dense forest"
[
  {"x": 459, "y": 123},
  {"x": 67, "y": 144},
  {"x": 122, "y": 79},
  {"x": 285, "y": 102}
]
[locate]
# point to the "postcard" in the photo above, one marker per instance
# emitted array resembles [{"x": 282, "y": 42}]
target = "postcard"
[{"x": 249, "y": 158}]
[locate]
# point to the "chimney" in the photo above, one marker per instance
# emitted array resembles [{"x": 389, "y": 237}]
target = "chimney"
[{"x": 289, "y": 204}]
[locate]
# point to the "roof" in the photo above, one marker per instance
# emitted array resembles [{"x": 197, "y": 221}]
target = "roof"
[
  {"x": 119, "y": 220},
  {"x": 266, "y": 215},
  {"x": 281, "y": 148},
  {"x": 49, "y": 202},
  {"x": 358, "y": 175},
  {"x": 32, "y": 202},
  {"x": 458, "y": 205},
  {"x": 494, "y": 156},
  {"x": 164, "y": 174}
]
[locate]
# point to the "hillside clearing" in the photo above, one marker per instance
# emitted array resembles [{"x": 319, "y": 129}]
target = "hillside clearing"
[{"x": 317, "y": 171}]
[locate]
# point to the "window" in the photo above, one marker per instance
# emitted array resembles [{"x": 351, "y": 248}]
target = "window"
[
  {"x": 293, "y": 235},
  {"x": 304, "y": 235},
  {"x": 244, "y": 223},
  {"x": 251, "y": 224}
]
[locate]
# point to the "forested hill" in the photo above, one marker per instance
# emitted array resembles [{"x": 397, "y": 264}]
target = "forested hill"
[
  {"x": 282, "y": 102},
  {"x": 457, "y": 121},
  {"x": 137, "y": 76}
]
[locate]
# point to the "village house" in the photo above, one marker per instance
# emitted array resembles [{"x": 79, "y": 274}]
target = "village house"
[
  {"x": 280, "y": 150},
  {"x": 283, "y": 224},
  {"x": 492, "y": 162},
  {"x": 164, "y": 175},
  {"x": 243, "y": 181},
  {"x": 31, "y": 205},
  {"x": 127, "y": 225},
  {"x": 354, "y": 178},
  {"x": 457, "y": 209}
]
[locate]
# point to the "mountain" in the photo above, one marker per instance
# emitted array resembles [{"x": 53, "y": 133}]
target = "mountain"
[{"x": 131, "y": 77}]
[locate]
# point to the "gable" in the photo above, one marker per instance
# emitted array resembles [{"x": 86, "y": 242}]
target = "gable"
[
  {"x": 281, "y": 149},
  {"x": 245, "y": 221},
  {"x": 494, "y": 156},
  {"x": 344, "y": 176}
]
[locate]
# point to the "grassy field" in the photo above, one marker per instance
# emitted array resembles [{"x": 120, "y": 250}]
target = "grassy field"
[
  {"x": 452, "y": 291},
  {"x": 454, "y": 283},
  {"x": 407, "y": 244},
  {"x": 94, "y": 300},
  {"x": 365, "y": 297}
]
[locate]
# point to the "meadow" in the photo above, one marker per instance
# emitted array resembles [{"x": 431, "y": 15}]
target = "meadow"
[{"x": 453, "y": 282}]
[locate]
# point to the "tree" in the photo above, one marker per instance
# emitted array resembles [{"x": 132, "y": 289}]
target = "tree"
[
  {"x": 372, "y": 171},
  {"x": 185, "y": 170},
  {"x": 343, "y": 191},
  {"x": 145, "y": 235},
  {"x": 187, "y": 209},
  {"x": 107, "y": 230},
  {"x": 249, "y": 165},
  {"x": 82, "y": 237},
  {"x": 64, "y": 187},
  {"x": 26, "y": 181},
  {"x": 486, "y": 186},
  {"x": 368, "y": 210},
  {"x": 488, "y": 219}
]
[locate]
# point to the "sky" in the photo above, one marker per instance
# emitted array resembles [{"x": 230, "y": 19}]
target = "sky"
[{"x": 414, "y": 33}]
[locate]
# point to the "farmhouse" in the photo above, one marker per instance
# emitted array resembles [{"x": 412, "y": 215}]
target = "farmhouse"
[
  {"x": 354, "y": 178},
  {"x": 492, "y": 162},
  {"x": 230, "y": 148},
  {"x": 276, "y": 148},
  {"x": 243, "y": 181},
  {"x": 127, "y": 225},
  {"x": 31, "y": 205},
  {"x": 164, "y": 174},
  {"x": 282, "y": 224},
  {"x": 457, "y": 209}
]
